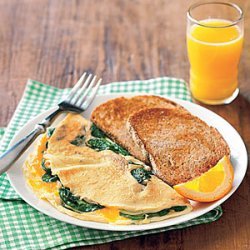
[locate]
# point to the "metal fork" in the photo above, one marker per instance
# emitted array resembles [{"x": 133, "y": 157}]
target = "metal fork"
[{"x": 78, "y": 100}]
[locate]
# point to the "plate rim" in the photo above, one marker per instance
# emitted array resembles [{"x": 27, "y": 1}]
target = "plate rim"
[{"x": 112, "y": 227}]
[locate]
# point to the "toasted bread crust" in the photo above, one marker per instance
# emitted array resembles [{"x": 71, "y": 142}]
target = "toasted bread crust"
[
  {"x": 138, "y": 142},
  {"x": 180, "y": 146},
  {"x": 112, "y": 117}
]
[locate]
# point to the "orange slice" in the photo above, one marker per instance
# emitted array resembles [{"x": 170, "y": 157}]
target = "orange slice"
[{"x": 210, "y": 186}]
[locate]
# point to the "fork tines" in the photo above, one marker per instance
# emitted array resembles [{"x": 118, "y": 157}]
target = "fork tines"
[{"x": 83, "y": 93}]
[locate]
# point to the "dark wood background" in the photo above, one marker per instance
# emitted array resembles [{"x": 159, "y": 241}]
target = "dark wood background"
[{"x": 55, "y": 41}]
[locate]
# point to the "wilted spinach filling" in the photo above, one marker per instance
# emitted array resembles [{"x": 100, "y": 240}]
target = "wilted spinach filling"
[
  {"x": 141, "y": 175},
  {"x": 50, "y": 131},
  {"x": 76, "y": 204},
  {"x": 96, "y": 132},
  {"x": 79, "y": 140},
  {"x": 101, "y": 142},
  {"x": 48, "y": 176},
  {"x": 155, "y": 214}
]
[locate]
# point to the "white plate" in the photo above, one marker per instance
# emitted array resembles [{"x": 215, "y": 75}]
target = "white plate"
[{"x": 238, "y": 153}]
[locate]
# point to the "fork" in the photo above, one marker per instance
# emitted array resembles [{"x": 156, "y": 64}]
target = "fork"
[{"x": 77, "y": 101}]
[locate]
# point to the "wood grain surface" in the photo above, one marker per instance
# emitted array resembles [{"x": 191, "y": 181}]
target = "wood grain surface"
[{"x": 55, "y": 41}]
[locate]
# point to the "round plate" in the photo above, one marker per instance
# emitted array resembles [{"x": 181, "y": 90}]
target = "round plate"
[{"x": 238, "y": 158}]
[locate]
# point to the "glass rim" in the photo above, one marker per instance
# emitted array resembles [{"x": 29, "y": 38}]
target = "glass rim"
[{"x": 235, "y": 6}]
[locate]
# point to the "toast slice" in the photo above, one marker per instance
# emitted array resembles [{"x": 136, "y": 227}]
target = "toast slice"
[
  {"x": 112, "y": 116},
  {"x": 180, "y": 145}
]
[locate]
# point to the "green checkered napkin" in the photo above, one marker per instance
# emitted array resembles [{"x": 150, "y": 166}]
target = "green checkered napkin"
[
  {"x": 1, "y": 133},
  {"x": 21, "y": 226}
]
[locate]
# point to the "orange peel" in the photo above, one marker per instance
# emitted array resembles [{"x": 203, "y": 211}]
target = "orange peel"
[{"x": 211, "y": 185}]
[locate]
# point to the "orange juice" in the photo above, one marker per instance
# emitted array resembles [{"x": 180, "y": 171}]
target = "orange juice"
[{"x": 214, "y": 53}]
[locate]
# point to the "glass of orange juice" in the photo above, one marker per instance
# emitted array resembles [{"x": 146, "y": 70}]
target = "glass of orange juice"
[{"x": 214, "y": 44}]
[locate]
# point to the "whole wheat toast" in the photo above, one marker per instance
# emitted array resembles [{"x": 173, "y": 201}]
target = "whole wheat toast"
[
  {"x": 180, "y": 145},
  {"x": 112, "y": 116}
]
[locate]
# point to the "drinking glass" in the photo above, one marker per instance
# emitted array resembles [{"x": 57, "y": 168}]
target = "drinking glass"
[{"x": 214, "y": 43}]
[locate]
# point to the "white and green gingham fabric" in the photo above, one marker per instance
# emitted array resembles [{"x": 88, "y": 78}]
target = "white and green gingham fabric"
[{"x": 21, "y": 226}]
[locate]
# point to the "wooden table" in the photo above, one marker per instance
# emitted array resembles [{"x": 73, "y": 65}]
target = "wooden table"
[{"x": 55, "y": 41}]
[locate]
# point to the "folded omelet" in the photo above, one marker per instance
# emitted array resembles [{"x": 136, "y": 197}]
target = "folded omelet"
[{"x": 84, "y": 174}]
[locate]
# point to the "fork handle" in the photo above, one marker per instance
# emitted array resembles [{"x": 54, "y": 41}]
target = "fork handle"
[{"x": 13, "y": 153}]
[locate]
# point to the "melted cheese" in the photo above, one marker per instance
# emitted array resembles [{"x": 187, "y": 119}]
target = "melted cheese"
[
  {"x": 34, "y": 172},
  {"x": 110, "y": 213}
]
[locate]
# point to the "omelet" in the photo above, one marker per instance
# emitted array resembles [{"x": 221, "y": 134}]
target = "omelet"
[{"x": 84, "y": 174}]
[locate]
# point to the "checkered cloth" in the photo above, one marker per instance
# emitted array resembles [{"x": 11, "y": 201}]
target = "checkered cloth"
[{"x": 22, "y": 227}]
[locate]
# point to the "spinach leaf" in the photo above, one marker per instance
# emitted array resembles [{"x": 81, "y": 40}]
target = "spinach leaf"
[
  {"x": 133, "y": 217},
  {"x": 156, "y": 214},
  {"x": 44, "y": 167},
  {"x": 118, "y": 149},
  {"x": 48, "y": 177},
  {"x": 76, "y": 204},
  {"x": 79, "y": 140},
  {"x": 96, "y": 132},
  {"x": 178, "y": 208},
  {"x": 100, "y": 144},
  {"x": 50, "y": 131},
  {"x": 163, "y": 212},
  {"x": 141, "y": 175}
]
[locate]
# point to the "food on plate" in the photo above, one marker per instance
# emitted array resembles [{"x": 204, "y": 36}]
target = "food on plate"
[
  {"x": 98, "y": 170},
  {"x": 210, "y": 186},
  {"x": 112, "y": 116},
  {"x": 84, "y": 174},
  {"x": 180, "y": 146}
]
